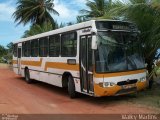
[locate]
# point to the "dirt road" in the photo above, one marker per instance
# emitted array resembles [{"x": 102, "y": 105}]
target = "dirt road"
[{"x": 16, "y": 96}]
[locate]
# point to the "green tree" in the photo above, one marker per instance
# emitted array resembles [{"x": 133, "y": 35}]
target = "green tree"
[
  {"x": 96, "y": 8},
  {"x": 81, "y": 19},
  {"x": 70, "y": 23},
  {"x": 3, "y": 51},
  {"x": 37, "y": 29},
  {"x": 146, "y": 15},
  {"x": 34, "y": 11},
  {"x": 45, "y": 27},
  {"x": 9, "y": 54},
  {"x": 10, "y": 47},
  {"x": 99, "y": 8},
  {"x": 61, "y": 25}
]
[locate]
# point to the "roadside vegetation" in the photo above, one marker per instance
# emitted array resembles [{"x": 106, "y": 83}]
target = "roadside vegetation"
[
  {"x": 149, "y": 97},
  {"x": 6, "y": 53}
]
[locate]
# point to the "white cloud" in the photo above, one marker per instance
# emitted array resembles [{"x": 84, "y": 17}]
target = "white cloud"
[
  {"x": 67, "y": 14},
  {"x": 63, "y": 10},
  {"x": 81, "y": 1},
  {"x": 68, "y": 10},
  {"x": 6, "y": 11}
]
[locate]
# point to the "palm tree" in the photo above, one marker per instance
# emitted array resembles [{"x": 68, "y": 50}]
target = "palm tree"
[
  {"x": 3, "y": 51},
  {"x": 34, "y": 11},
  {"x": 99, "y": 9},
  {"x": 96, "y": 8},
  {"x": 61, "y": 25},
  {"x": 81, "y": 19},
  {"x": 146, "y": 15},
  {"x": 70, "y": 23},
  {"x": 37, "y": 29}
]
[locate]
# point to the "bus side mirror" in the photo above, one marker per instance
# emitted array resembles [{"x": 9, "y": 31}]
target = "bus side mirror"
[
  {"x": 94, "y": 42},
  {"x": 146, "y": 65}
]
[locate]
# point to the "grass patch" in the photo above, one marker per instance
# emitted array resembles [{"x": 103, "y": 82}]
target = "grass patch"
[
  {"x": 149, "y": 97},
  {"x": 157, "y": 70}
]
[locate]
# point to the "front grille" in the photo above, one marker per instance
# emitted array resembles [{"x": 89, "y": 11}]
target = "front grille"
[
  {"x": 127, "y": 82},
  {"x": 125, "y": 91}
]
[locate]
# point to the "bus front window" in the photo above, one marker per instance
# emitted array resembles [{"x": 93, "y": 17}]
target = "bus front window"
[{"x": 118, "y": 51}]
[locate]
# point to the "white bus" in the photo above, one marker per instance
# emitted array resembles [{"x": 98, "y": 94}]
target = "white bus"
[{"x": 97, "y": 58}]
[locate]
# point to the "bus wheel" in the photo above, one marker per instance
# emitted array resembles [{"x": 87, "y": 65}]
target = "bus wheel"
[
  {"x": 71, "y": 87},
  {"x": 27, "y": 76}
]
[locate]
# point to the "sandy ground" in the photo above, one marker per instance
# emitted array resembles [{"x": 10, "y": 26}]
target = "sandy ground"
[{"x": 18, "y": 97}]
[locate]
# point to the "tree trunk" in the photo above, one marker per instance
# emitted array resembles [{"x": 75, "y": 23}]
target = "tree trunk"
[{"x": 149, "y": 68}]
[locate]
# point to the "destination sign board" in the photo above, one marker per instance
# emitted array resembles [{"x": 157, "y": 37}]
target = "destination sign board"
[{"x": 115, "y": 25}]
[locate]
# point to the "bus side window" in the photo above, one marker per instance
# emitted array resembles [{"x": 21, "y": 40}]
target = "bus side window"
[
  {"x": 69, "y": 44},
  {"x": 23, "y": 48},
  {"x": 43, "y": 47},
  {"x": 34, "y": 48},
  {"x": 90, "y": 54},
  {"x": 26, "y": 49},
  {"x": 15, "y": 50},
  {"x": 54, "y": 46}
]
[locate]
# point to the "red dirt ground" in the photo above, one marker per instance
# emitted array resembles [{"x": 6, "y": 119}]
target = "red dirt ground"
[{"x": 18, "y": 97}]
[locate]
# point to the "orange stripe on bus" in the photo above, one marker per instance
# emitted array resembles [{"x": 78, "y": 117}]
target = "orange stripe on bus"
[
  {"x": 14, "y": 61},
  {"x": 32, "y": 63},
  {"x": 108, "y": 91},
  {"x": 61, "y": 66},
  {"x": 118, "y": 73}
]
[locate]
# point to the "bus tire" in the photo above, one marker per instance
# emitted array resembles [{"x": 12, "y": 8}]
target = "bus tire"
[
  {"x": 27, "y": 76},
  {"x": 71, "y": 87}
]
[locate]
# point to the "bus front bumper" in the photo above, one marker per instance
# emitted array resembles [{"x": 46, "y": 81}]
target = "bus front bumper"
[{"x": 118, "y": 90}]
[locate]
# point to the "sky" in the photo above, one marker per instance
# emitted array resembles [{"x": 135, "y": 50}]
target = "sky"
[{"x": 10, "y": 31}]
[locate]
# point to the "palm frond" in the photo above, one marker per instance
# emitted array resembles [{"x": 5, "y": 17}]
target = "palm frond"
[{"x": 34, "y": 11}]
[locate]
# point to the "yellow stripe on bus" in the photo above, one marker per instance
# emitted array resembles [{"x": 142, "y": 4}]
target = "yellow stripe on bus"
[
  {"x": 14, "y": 61},
  {"x": 118, "y": 73},
  {"x": 57, "y": 65},
  {"x": 61, "y": 66},
  {"x": 32, "y": 63}
]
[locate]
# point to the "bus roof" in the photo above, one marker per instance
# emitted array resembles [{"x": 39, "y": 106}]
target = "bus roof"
[{"x": 64, "y": 29}]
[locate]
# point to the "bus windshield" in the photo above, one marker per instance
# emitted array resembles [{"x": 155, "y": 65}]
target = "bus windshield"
[{"x": 118, "y": 51}]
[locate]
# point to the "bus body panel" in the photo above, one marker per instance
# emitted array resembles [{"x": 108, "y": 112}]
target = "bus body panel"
[
  {"x": 49, "y": 73},
  {"x": 109, "y": 77},
  {"x": 51, "y": 69},
  {"x": 114, "y": 90},
  {"x": 15, "y": 69}
]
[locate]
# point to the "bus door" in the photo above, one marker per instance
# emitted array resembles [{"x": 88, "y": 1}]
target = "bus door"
[
  {"x": 86, "y": 67},
  {"x": 19, "y": 60}
]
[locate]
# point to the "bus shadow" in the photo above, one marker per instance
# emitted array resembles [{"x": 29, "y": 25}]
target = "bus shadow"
[
  {"x": 44, "y": 86},
  {"x": 108, "y": 100},
  {"x": 98, "y": 101},
  {"x": 51, "y": 88}
]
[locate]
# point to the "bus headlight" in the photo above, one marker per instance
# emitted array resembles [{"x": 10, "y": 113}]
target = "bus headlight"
[
  {"x": 107, "y": 84},
  {"x": 142, "y": 79}
]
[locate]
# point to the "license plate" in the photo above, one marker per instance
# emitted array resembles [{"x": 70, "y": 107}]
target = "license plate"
[{"x": 128, "y": 86}]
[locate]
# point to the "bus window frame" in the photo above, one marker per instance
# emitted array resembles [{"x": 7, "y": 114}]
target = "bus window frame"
[{"x": 75, "y": 39}]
